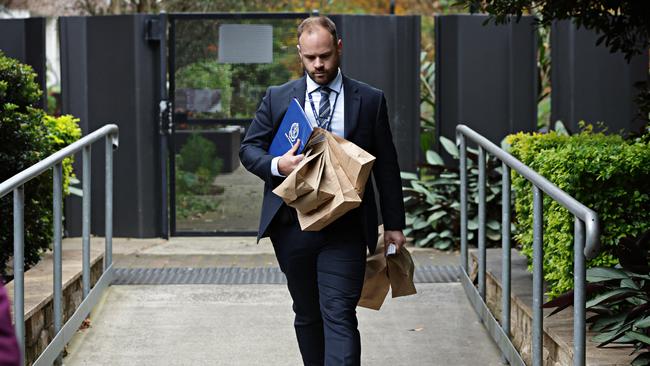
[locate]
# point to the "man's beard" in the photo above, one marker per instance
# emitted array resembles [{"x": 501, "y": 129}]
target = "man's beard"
[{"x": 330, "y": 75}]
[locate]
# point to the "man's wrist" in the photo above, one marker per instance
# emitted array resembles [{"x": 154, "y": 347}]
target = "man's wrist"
[{"x": 274, "y": 167}]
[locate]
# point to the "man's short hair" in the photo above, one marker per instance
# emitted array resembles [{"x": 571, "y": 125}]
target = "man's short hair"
[{"x": 318, "y": 21}]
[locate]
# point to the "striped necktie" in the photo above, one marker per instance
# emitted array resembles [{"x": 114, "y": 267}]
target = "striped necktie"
[{"x": 324, "y": 108}]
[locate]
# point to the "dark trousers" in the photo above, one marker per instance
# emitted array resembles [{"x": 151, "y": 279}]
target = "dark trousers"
[{"x": 325, "y": 272}]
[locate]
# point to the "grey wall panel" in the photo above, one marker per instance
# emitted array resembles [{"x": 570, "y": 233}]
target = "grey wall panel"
[
  {"x": 117, "y": 85},
  {"x": 384, "y": 51},
  {"x": 485, "y": 76},
  {"x": 74, "y": 98},
  {"x": 589, "y": 83},
  {"x": 24, "y": 40}
]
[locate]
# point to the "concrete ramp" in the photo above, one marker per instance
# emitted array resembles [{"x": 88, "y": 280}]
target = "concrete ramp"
[{"x": 252, "y": 325}]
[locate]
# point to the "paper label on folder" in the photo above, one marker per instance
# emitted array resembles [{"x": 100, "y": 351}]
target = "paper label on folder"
[{"x": 294, "y": 126}]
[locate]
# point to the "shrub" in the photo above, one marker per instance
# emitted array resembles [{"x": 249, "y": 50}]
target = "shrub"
[
  {"x": 27, "y": 137},
  {"x": 208, "y": 75},
  {"x": 604, "y": 172},
  {"x": 197, "y": 166},
  {"x": 432, "y": 200}
]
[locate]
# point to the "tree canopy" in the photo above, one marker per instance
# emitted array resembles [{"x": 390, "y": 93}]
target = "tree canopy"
[{"x": 624, "y": 25}]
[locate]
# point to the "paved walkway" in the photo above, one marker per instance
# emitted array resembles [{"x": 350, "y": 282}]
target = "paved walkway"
[{"x": 252, "y": 324}]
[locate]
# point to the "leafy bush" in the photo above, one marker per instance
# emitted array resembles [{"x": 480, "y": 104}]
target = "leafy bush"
[
  {"x": 604, "y": 172},
  {"x": 27, "y": 137},
  {"x": 208, "y": 75},
  {"x": 432, "y": 200},
  {"x": 198, "y": 154},
  {"x": 197, "y": 166},
  {"x": 619, "y": 298}
]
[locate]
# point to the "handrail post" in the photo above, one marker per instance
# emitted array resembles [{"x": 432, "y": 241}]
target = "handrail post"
[
  {"x": 463, "y": 202},
  {"x": 538, "y": 275},
  {"x": 19, "y": 268},
  {"x": 505, "y": 248},
  {"x": 58, "y": 263},
  {"x": 579, "y": 276},
  {"x": 481, "y": 222},
  {"x": 108, "y": 256},
  {"x": 86, "y": 220}
]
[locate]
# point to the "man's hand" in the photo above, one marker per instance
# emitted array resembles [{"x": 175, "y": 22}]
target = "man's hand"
[
  {"x": 288, "y": 162},
  {"x": 394, "y": 236}
]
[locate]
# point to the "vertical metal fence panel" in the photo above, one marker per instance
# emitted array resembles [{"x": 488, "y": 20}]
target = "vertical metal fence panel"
[
  {"x": 19, "y": 267},
  {"x": 24, "y": 40},
  {"x": 485, "y": 76},
  {"x": 393, "y": 45},
  {"x": 538, "y": 275},
  {"x": 592, "y": 84},
  {"x": 118, "y": 74}
]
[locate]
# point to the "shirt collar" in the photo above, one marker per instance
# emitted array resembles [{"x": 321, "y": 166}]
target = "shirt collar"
[{"x": 335, "y": 84}]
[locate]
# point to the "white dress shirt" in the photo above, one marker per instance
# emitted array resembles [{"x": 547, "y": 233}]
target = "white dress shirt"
[{"x": 337, "y": 108}]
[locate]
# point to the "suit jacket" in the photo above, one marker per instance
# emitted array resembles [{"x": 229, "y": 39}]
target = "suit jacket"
[
  {"x": 9, "y": 351},
  {"x": 365, "y": 124}
]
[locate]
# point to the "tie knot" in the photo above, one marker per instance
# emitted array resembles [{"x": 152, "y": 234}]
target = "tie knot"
[{"x": 325, "y": 90}]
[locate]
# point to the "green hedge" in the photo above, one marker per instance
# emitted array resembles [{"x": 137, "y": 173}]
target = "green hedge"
[
  {"x": 604, "y": 172},
  {"x": 28, "y": 136}
]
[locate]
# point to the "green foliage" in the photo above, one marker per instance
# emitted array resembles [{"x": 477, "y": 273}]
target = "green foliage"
[
  {"x": 197, "y": 166},
  {"x": 200, "y": 155},
  {"x": 427, "y": 102},
  {"x": 622, "y": 25},
  {"x": 604, "y": 172},
  {"x": 619, "y": 298},
  {"x": 432, "y": 200},
  {"x": 208, "y": 75},
  {"x": 62, "y": 131},
  {"x": 27, "y": 137}
]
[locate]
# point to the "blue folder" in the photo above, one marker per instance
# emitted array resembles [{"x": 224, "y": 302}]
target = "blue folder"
[{"x": 294, "y": 125}]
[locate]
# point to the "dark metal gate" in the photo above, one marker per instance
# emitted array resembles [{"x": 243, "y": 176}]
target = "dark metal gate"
[{"x": 219, "y": 66}]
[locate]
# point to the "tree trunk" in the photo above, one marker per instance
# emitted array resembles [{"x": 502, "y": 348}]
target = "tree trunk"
[{"x": 115, "y": 7}]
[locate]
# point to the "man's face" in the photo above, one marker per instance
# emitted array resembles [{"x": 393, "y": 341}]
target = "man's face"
[{"x": 319, "y": 54}]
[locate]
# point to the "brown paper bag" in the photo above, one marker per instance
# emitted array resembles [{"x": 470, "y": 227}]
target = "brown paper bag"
[
  {"x": 294, "y": 185},
  {"x": 305, "y": 189},
  {"x": 400, "y": 273},
  {"x": 352, "y": 166},
  {"x": 345, "y": 199},
  {"x": 376, "y": 282},
  {"x": 395, "y": 271},
  {"x": 356, "y": 162},
  {"x": 315, "y": 177}
]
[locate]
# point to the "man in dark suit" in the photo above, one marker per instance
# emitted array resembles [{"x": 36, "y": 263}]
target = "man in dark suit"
[{"x": 325, "y": 269}]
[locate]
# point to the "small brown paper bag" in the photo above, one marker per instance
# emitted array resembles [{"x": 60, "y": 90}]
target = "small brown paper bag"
[
  {"x": 345, "y": 199},
  {"x": 356, "y": 162},
  {"x": 305, "y": 189},
  {"x": 395, "y": 271},
  {"x": 315, "y": 178},
  {"x": 329, "y": 182}
]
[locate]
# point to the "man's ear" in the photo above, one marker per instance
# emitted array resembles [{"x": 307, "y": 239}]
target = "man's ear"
[{"x": 339, "y": 47}]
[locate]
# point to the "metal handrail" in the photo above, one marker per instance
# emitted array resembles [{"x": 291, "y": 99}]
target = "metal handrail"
[
  {"x": 62, "y": 332},
  {"x": 586, "y": 246}
]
